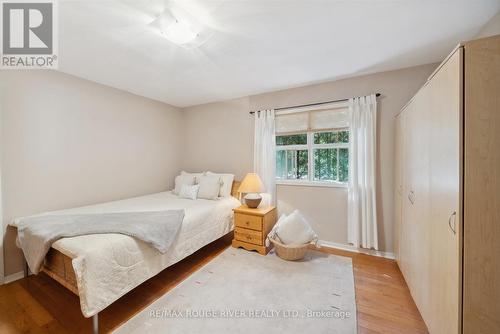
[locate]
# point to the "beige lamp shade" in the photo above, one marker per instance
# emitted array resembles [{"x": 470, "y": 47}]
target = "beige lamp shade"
[{"x": 251, "y": 184}]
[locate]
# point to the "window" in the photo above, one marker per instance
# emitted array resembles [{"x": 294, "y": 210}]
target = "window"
[
  {"x": 292, "y": 157},
  {"x": 317, "y": 156},
  {"x": 312, "y": 145}
]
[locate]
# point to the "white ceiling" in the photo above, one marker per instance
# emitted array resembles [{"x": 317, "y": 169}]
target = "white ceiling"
[{"x": 256, "y": 46}]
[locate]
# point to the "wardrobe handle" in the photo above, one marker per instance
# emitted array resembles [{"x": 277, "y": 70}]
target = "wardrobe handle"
[
  {"x": 453, "y": 228},
  {"x": 411, "y": 196}
]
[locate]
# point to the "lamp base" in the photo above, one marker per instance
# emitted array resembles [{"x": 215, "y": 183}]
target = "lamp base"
[{"x": 253, "y": 200}]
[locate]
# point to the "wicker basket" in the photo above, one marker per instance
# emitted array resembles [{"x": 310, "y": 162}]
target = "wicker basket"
[{"x": 289, "y": 252}]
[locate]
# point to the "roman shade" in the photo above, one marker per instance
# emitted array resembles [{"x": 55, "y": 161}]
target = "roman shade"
[
  {"x": 329, "y": 119},
  {"x": 292, "y": 122},
  {"x": 313, "y": 120}
]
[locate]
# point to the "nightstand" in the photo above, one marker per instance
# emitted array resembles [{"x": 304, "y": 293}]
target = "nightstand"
[{"x": 251, "y": 227}]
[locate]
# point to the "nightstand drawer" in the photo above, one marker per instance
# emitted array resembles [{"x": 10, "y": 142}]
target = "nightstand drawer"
[
  {"x": 248, "y": 221},
  {"x": 250, "y": 236}
]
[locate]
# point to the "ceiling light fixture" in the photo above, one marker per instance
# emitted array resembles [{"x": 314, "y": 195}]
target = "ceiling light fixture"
[
  {"x": 179, "y": 32},
  {"x": 181, "y": 27}
]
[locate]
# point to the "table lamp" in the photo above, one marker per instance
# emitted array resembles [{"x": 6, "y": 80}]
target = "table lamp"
[{"x": 252, "y": 187}]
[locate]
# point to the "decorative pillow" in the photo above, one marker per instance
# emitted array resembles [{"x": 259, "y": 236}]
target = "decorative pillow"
[
  {"x": 294, "y": 229},
  {"x": 209, "y": 186},
  {"x": 227, "y": 183},
  {"x": 183, "y": 179},
  {"x": 189, "y": 192},
  {"x": 193, "y": 174}
]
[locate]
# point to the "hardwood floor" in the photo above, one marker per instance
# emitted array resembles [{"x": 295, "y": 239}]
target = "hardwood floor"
[
  {"x": 40, "y": 305},
  {"x": 383, "y": 301}
]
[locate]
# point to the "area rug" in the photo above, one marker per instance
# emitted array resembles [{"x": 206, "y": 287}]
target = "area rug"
[{"x": 245, "y": 292}]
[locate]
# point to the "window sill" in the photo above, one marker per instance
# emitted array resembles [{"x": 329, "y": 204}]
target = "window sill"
[{"x": 311, "y": 184}]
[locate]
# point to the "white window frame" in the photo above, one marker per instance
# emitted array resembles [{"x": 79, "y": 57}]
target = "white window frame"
[
  {"x": 293, "y": 148},
  {"x": 310, "y": 147}
]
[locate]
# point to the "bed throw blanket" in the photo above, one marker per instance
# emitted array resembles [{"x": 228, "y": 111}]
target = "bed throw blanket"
[{"x": 37, "y": 234}]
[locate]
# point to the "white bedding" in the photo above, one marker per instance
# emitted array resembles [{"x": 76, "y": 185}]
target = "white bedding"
[{"x": 107, "y": 266}]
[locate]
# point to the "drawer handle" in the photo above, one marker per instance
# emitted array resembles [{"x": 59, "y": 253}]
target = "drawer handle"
[
  {"x": 411, "y": 197},
  {"x": 248, "y": 223},
  {"x": 249, "y": 237},
  {"x": 452, "y": 216}
]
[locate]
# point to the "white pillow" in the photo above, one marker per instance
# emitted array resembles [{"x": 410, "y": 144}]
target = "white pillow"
[
  {"x": 227, "y": 183},
  {"x": 209, "y": 186},
  {"x": 193, "y": 174},
  {"x": 189, "y": 192},
  {"x": 273, "y": 234},
  {"x": 294, "y": 229},
  {"x": 183, "y": 179}
]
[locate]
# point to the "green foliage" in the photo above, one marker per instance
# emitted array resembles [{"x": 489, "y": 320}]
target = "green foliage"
[
  {"x": 330, "y": 164},
  {"x": 300, "y": 139},
  {"x": 302, "y": 164},
  {"x": 297, "y": 162},
  {"x": 331, "y": 137},
  {"x": 325, "y": 164},
  {"x": 343, "y": 164}
]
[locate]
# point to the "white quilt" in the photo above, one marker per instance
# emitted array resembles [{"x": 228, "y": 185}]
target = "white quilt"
[{"x": 107, "y": 266}]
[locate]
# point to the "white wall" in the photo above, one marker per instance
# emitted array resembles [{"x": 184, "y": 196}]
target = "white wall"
[
  {"x": 491, "y": 28},
  {"x": 219, "y": 136},
  {"x": 69, "y": 142},
  {"x": 325, "y": 208}
]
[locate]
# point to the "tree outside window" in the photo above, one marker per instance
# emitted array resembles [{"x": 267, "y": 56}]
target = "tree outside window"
[{"x": 321, "y": 156}]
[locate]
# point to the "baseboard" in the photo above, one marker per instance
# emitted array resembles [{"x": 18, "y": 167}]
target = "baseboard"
[
  {"x": 350, "y": 248},
  {"x": 13, "y": 277}
]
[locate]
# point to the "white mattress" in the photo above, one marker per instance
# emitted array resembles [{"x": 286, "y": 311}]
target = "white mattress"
[{"x": 107, "y": 266}]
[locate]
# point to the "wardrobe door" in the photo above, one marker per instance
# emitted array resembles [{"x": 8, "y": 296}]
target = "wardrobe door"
[
  {"x": 406, "y": 253},
  {"x": 445, "y": 164},
  {"x": 419, "y": 200},
  {"x": 482, "y": 187},
  {"x": 398, "y": 183},
  {"x": 413, "y": 247}
]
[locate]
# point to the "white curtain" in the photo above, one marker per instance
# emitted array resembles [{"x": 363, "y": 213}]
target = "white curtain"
[
  {"x": 264, "y": 156},
  {"x": 362, "y": 207}
]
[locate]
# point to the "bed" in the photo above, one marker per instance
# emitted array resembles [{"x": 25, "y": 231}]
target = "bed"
[{"x": 100, "y": 268}]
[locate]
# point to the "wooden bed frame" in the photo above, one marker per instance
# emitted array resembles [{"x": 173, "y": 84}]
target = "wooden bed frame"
[{"x": 59, "y": 266}]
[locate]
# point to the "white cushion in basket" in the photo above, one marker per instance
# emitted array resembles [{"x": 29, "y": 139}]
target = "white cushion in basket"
[{"x": 294, "y": 229}]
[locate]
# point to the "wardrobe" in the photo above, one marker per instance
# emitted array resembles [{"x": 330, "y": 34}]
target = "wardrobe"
[{"x": 447, "y": 191}]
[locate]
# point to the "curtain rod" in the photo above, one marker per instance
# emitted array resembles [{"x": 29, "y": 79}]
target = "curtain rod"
[{"x": 310, "y": 104}]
